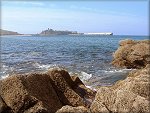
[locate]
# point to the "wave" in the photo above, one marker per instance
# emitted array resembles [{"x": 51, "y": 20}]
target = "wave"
[
  {"x": 46, "y": 66},
  {"x": 117, "y": 70},
  {"x": 84, "y": 76},
  {"x": 4, "y": 71},
  {"x": 100, "y": 77},
  {"x": 90, "y": 87},
  {"x": 4, "y": 76},
  {"x": 42, "y": 66}
]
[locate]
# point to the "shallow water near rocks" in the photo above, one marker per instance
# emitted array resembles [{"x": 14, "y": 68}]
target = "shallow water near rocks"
[{"x": 87, "y": 56}]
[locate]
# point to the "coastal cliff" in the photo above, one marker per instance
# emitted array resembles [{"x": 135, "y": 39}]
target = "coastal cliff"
[{"x": 57, "y": 91}]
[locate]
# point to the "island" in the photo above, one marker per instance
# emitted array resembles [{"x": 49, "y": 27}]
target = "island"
[{"x": 49, "y": 32}]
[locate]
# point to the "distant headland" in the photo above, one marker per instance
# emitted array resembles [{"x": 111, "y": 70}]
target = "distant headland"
[
  {"x": 51, "y": 32},
  {"x": 6, "y": 32}
]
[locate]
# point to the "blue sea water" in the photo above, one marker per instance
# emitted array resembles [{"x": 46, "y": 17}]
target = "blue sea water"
[{"x": 87, "y": 56}]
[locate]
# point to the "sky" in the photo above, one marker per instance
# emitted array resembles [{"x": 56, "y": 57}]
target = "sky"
[{"x": 119, "y": 17}]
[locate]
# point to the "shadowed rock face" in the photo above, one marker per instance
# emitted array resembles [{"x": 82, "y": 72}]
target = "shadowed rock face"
[
  {"x": 81, "y": 89},
  {"x": 3, "y": 107},
  {"x": 64, "y": 91},
  {"x": 41, "y": 93},
  {"x": 126, "y": 96},
  {"x": 70, "y": 89},
  {"x": 132, "y": 54}
]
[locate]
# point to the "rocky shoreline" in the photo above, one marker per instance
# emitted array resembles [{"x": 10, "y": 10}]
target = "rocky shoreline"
[{"x": 57, "y": 91}]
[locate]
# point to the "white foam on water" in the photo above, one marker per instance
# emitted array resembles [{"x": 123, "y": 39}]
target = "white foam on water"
[
  {"x": 4, "y": 76},
  {"x": 4, "y": 71},
  {"x": 90, "y": 87},
  {"x": 43, "y": 66},
  {"x": 82, "y": 75},
  {"x": 85, "y": 76},
  {"x": 117, "y": 70}
]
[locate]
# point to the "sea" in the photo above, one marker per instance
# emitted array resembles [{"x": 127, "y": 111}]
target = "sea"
[{"x": 87, "y": 56}]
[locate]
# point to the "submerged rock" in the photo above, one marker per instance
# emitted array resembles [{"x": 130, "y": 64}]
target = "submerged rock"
[
  {"x": 126, "y": 96},
  {"x": 132, "y": 54}
]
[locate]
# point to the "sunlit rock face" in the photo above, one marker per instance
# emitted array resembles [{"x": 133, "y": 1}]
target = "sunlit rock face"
[
  {"x": 70, "y": 109},
  {"x": 43, "y": 92},
  {"x": 129, "y": 95},
  {"x": 132, "y": 54}
]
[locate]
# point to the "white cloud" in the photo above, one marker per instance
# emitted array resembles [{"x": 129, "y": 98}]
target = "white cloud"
[
  {"x": 42, "y": 15},
  {"x": 25, "y": 3},
  {"x": 34, "y": 3},
  {"x": 104, "y": 12}
]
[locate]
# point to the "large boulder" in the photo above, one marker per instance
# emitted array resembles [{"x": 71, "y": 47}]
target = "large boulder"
[
  {"x": 137, "y": 82},
  {"x": 63, "y": 84},
  {"x": 43, "y": 92},
  {"x": 132, "y": 54},
  {"x": 70, "y": 89},
  {"x": 29, "y": 93},
  {"x": 129, "y": 95},
  {"x": 70, "y": 109}
]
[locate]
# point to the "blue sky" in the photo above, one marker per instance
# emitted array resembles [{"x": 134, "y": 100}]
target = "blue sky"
[{"x": 119, "y": 17}]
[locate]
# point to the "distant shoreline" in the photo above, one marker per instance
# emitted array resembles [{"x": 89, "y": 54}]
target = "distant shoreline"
[{"x": 16, "y": 35}]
